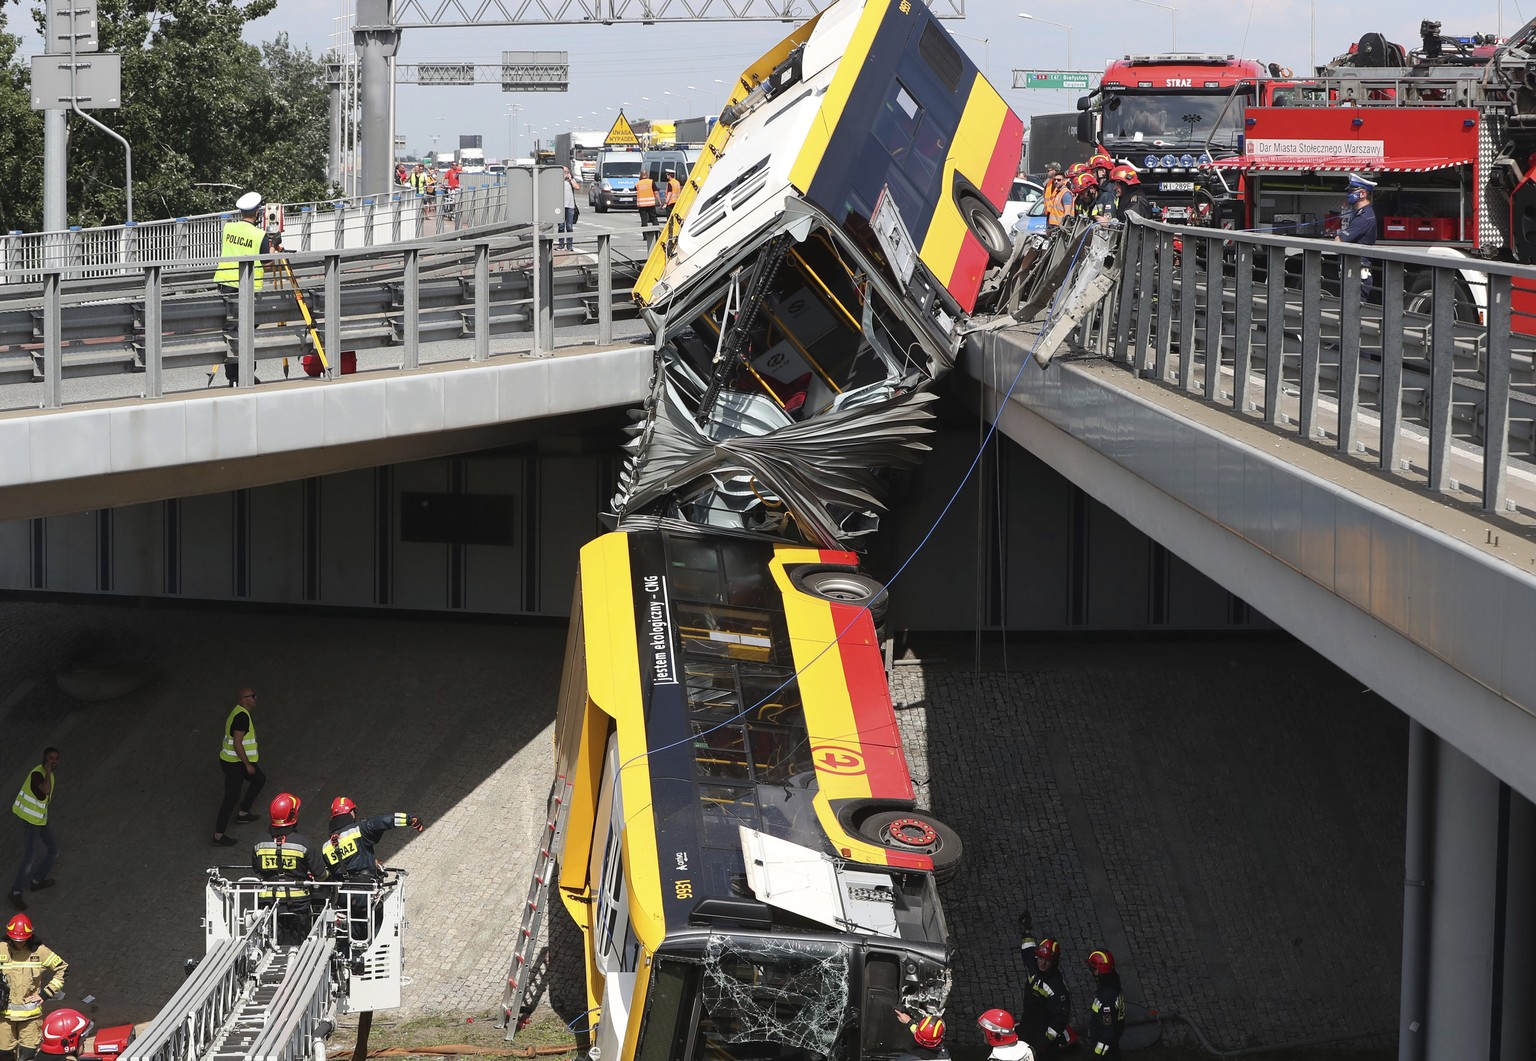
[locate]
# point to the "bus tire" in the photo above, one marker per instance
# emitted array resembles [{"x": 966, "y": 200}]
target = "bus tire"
[
  {"x": 843, "y": 585},
  {"x": 983, "y": 222},
  {"x": 916, "y": 832}
]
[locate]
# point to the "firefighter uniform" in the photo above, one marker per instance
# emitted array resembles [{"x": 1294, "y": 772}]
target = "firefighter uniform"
[
  {"x": 1046, "y": 1020},
  {"x": 348, "y": 854},
  {"x": 1106, "y": 1019},
  {"x": 287, "y": 860},
  {"x": 30, "y": 970}
]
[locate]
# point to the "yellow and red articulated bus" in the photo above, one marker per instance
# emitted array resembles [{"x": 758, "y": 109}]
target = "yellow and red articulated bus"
[
  {"x": 742, "y": 853},
  {"x": 837, "y": 231}
]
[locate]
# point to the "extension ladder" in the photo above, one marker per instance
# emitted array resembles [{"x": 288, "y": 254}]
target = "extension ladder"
[{"x": 514, "y": 994}]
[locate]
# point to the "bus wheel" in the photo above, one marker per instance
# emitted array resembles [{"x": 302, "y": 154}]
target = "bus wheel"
[
  {"x": 916, "y": 832},
  {"x": 985, "y": 226},
  {"x": 843, "y": 586}
]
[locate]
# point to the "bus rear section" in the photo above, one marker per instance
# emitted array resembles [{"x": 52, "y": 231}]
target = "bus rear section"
[
  {"x": 743, "y": 853},
  {"x": 826, "y": 251}
]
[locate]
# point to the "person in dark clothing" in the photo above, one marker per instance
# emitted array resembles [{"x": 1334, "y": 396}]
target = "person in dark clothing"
[
  {"x": 1046, "y": 1023},
  {"x": 1361, "y": 228},
  {"x": 288, "y": 861},
  {"x": 238, "y": 758},
  {"x": 1106, "y": 1020},
  {"x": 350, "y": 860},
  {"x": 1131, "y": 196}
]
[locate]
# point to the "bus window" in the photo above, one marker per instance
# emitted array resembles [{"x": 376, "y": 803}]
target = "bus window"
[
  {"x": 669, "y": 1014},
  {"x": 880, "y": 1031},
  {"x": 772, "y": 998}
]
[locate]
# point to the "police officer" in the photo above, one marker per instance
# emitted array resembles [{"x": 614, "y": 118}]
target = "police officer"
[
  {"x": 243, "y": 238},
  {"x": 288, "y": 860},
  {"x": 1106, "y": 1020},
  {"x": 32, "y": 973},
  {"x": 674, "y": 189},
  {"x": 1047, "y": 1012},
  {"x": 1361, "y": 227}
]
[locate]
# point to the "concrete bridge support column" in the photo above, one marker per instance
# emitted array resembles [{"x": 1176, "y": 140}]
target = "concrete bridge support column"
[{"x": 1469, "y": 933}]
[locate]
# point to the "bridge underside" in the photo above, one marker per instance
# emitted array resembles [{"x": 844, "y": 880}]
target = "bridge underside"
[{"x": 1413, "y": 596}]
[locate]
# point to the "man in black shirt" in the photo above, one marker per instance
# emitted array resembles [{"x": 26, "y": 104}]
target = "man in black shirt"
[{"x": 238, "y": 758}]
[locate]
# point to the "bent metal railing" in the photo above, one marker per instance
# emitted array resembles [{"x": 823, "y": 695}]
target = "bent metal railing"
[
  {"x": 1421, "y": 363},
  {"x": 419, "y": 297}
]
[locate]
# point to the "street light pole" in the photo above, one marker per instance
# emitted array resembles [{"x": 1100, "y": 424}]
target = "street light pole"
[
  {"x": 986, "y": 51},
  {"x": 1173, "y": 21},
  {"x": 1058, "y": 25}
]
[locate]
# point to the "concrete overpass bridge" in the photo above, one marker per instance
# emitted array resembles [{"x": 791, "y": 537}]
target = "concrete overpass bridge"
[{"x": 1354, "y": 473}]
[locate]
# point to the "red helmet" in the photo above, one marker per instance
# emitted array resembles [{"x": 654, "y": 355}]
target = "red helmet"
[
  {"x": 1125, "y": 174},
  {"x": 1100, "y": 161},
  {"x": 1076, "y": 168},
  {"x": 929, "y": 1031},
  {"x": 1101, "y": 962},
  {"x": 284, "y": 809},
  {"x": 1048, "y": 949},
  {"x": 1083, "y": 182},
  {"x": 342, "y": 805},
  {"x": 997, "y": 1027},
  {"x": 19, "y": 928},
  {"x": 63, "y": 1029}
]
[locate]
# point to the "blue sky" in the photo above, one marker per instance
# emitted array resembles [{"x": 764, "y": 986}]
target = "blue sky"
[{"x": 685, "y": 69}]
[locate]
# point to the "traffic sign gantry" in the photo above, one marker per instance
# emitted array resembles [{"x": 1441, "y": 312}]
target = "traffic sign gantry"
[
  {"x": 621, "y": 135},
  {"x": 1069, "y": 79}
]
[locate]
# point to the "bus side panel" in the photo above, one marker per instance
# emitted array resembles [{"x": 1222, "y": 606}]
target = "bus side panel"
[
  {"x": 613, "y": 682},
  {"x": 842, "y": 752}
]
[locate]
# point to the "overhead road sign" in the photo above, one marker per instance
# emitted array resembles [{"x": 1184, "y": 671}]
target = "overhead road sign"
[
  {"x": 444, "y": 74},
  {"x": 72, "y": 20},
  {"x": 1079, "y": 80},
  {"x": 413, "y": 14},
  {"x": 535, "y": 71},
  {"x": 97, "y": 83},
  {"x": 621, "y": 135}
]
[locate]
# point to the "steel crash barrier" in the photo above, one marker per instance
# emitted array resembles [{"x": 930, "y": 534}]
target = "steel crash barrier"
[
  {"x": 341, "y": 224},
  {"x": 444, "y": 299},
  {"x": 1423, "y": 363}
]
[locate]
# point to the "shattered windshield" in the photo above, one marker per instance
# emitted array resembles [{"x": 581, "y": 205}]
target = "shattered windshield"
[
  {"x": 773, "y": 999},
  {"x": 1171, "y": 119}
]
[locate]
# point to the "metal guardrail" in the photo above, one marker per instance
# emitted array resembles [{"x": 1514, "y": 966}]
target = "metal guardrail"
[
  {"x": 1413, "y": 376},
  {"x": 339, "y": 225},
  {"x": 409, "y": 296}
]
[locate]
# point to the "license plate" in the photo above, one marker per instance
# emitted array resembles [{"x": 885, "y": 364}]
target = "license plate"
[
  {"x": 1176, "y": 213},
  {"x": 1176, "y": 186}
]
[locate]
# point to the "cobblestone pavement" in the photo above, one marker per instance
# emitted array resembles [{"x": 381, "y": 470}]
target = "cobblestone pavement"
[{"x": 1226, "y": 816}]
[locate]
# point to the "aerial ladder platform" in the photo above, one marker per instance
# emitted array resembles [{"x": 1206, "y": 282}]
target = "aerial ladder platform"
[{"x": 252, "y": 997}]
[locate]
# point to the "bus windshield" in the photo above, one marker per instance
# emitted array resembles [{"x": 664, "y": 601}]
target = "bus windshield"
[{"x": 1171, "y": 119}]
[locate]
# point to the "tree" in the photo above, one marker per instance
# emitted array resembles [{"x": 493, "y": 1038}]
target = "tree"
[
  {"x": 21, "y": 141},
  {"x": 204, "y": 110}
]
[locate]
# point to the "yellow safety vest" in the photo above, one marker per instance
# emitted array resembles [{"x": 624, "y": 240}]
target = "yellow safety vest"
[
  {"x": 241, "y": 240},
  {"x": 27, "y": 806},
  {"x": 227, "y": 752}
]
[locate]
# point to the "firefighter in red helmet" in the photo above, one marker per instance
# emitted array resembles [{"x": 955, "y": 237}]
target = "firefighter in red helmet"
[
  {"x": 64, "y": 1032},
  {"x": 1001, "y": 1033},
  {"x": 1047, "y": 1015},
  {"x": 350, "y": 860},
  {"x": 287, "y": 860},
  {"x": 32, "y": 973},
  {"x": 1106, "y": 1020},
  {"x": 927, "y": 1038}
]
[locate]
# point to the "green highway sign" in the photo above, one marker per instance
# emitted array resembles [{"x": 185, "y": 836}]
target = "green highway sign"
[{"x": 1081, "y": 80}]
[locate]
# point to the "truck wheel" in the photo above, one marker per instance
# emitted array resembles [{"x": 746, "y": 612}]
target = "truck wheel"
[
  {"x": 843, "y": 586},
  {"x": 916, "y": 832},
  {"x": 985, "y": 226},
  {"x": 1419, "y": 297}
]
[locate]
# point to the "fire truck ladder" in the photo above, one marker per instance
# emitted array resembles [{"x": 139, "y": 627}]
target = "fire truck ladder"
[
  {"x": 249, "y": 999},
  {"x": 514, "y": 996}
]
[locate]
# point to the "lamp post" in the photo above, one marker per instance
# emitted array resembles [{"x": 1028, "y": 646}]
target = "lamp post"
[
  {"x": 1173, "y": 19},
  {"x": 512, "y": 109},
  {"x": 1058, "y": 25},
  {"x": 986, "y": 51}
]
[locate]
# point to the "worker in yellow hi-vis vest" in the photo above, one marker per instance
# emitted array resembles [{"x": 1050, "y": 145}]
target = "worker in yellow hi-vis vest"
[
  {"x": 31, "y": 806},
  {"x": 238, "y": 756},
  {"x": 243, "y": 237}
]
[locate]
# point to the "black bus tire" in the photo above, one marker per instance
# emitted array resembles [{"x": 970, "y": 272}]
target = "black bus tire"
[
  {"x": 945, "y": 848},
  {"x": 985, "y": 226}
]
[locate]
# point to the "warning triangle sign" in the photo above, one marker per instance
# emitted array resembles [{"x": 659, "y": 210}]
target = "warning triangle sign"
[{"x": 621, "y": 135}]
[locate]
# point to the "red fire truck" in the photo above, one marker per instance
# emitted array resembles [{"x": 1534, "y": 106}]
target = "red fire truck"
[
  {"x": 1172, "y": 116},
  {"x": 1447, "y": 131}
]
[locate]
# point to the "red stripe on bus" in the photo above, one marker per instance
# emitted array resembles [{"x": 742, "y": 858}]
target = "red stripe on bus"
[
  {"x": 1005, "y": 161},
  {"x": 970, "y": 267},
  {"x": 864, "y": 671}
]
